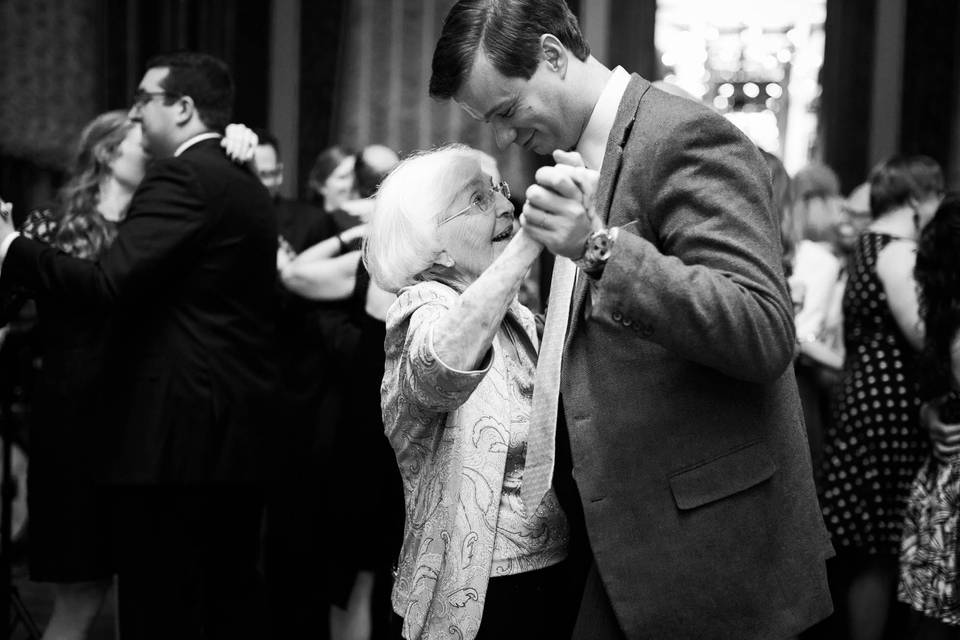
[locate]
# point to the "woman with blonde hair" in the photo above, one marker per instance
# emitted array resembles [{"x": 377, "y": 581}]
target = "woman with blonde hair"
[{"x": 68, "y": 543}]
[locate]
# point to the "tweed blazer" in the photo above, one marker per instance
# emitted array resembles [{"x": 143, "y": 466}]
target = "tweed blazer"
[
  {"x": 450, "y": 430},
  {"x": 688, "y": 443}
]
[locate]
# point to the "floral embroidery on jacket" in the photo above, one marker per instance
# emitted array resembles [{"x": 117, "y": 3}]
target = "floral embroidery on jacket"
[{"x": 450, "y": 431}]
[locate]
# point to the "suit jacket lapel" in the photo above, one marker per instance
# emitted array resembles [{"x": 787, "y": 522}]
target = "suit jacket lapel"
[{"x": 609, "y": 175}]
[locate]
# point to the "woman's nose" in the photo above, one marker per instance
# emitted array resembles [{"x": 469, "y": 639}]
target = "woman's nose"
[{"x": 504, "y": 206}]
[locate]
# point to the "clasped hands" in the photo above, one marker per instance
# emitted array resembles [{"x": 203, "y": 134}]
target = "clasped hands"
[{"x": 560, "y": 212}]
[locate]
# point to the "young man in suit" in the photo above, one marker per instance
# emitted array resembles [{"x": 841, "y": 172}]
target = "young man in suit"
[
  {"x": 678, "y": 412},
  {"x": 191, "y": 280}
]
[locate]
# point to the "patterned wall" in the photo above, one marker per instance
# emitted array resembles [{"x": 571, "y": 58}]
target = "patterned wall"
[{"x": 48, "y": 56}]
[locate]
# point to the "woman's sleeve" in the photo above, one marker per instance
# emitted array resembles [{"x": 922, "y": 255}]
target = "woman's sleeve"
[
  {"x": 425, "y": 378},
  {"x": 39, "y": 225}
]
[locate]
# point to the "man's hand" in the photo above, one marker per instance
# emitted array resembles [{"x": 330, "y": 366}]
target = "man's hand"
[
  {"x": 945, "y": 437},
  {"x": 6, "y": 219},
  {"x": 559, "y": 211}
]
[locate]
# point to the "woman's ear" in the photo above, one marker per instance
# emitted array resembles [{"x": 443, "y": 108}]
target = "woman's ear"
[{"x": 444, "y": 259}]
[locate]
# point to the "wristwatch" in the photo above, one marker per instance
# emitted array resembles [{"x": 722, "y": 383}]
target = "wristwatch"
[{"x": 597, "y": 250}]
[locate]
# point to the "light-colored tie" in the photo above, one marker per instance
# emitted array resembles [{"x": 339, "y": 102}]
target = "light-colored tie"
[{"x": 541, "y": 435}]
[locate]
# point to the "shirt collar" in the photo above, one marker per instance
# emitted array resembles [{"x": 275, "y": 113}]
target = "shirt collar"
[
  {"x": 593, "y": 142},
  {"x": 194, "y": 140}
]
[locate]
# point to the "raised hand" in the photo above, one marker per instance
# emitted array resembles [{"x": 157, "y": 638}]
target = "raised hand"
[
  {"x": 239, "y": 142},
  {"x": 560, "y": 211}
]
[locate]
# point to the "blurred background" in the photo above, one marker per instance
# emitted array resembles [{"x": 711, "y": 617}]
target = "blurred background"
[{"x": 844, "y": 82}]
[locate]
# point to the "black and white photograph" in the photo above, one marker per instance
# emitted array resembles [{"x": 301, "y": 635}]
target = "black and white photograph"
[{"x": 480, "y": 319}]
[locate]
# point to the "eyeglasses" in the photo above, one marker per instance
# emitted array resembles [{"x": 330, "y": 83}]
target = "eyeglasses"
[
  {"x": 483, "y": 200},
  {"x": 141, "y": 97}
]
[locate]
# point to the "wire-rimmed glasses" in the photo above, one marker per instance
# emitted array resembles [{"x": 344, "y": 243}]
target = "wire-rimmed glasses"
[{"x": 484, "y": 200}]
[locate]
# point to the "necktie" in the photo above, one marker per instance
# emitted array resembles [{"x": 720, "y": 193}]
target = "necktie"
[{"x": 541, "y": 435}]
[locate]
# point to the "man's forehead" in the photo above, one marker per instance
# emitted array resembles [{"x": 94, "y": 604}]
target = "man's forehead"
[{"x": 484, "y": 90}]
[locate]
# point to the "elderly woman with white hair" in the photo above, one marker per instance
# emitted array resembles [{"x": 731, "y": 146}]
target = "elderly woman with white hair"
[{"x": 456, "y": 397}]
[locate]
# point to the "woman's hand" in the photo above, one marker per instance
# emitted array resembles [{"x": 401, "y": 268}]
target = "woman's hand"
[
  {"x": 239, "y": 142},
  {"x": 945, "y": 437},
  {"x": 560, "y": 211},
  {"x": 285, "y": 253}
]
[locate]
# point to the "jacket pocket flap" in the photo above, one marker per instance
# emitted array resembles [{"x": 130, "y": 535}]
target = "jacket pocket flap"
[{"x": 722, "y": 476}]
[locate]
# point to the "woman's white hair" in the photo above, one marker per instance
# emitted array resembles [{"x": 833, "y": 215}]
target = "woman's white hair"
[{"x": 402, "y": 241}]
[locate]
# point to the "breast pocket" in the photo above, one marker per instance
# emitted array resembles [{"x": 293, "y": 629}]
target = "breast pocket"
[{"x": 723, "y": 476}]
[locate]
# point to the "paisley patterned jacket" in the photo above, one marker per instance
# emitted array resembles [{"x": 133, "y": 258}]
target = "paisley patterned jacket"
[{"x": 450, "y": 431}]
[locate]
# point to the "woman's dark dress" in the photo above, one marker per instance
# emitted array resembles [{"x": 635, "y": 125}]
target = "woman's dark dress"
[
  {"x": 875, "y": 446},
  {"x": 67, "y": 517},
  {"x": 367, "y": 489}
]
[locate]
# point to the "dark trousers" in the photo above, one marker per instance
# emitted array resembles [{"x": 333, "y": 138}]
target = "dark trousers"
[
  {"x": 186, "y": 560},
  {"x": 596, "y": 619},
  {"x": 535, "y": 604}
]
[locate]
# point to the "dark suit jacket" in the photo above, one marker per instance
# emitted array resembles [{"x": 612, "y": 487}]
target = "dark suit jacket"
[
  {"x": 190, "y": 281},
  {"x": 687, "y": 437}
]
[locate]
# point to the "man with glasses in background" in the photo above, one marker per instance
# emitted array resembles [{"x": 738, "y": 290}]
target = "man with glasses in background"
[{"x": 191, "y": 279}]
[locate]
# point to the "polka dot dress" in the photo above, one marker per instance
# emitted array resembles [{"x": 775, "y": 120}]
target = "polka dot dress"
[{"x": 875, "y": 446}]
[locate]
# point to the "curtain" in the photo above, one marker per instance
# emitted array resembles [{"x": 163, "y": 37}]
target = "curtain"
[{"x": 383, "y": 83}]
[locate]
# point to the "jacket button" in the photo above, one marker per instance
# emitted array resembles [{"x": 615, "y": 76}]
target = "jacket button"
[
  {"x": 627, "y": 322},
  {"x": 617, "y": 316}
]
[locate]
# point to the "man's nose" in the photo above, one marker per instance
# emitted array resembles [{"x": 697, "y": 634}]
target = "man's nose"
[
  {"x": 504, "y": 135},
  {"x": 134, "y": 113}
]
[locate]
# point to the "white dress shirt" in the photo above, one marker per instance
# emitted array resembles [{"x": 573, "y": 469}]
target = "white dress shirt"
[{"x": 593, "y": 140}]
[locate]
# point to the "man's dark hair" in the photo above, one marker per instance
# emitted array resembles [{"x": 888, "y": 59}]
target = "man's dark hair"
[
  {"x": 205, "y": 79},
  {"x": 509, "y": 33},
  {"x": 266, "y": 138},
  {"x": 896, "y": 181}
]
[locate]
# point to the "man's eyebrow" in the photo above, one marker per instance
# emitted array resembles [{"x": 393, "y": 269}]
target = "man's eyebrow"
[{"x": 497, "y": 107}]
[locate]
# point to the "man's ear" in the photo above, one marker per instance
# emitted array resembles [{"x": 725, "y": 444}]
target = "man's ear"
[
  {"x": 554, "y": 53},
  {"x": 186, "y": 110}
]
